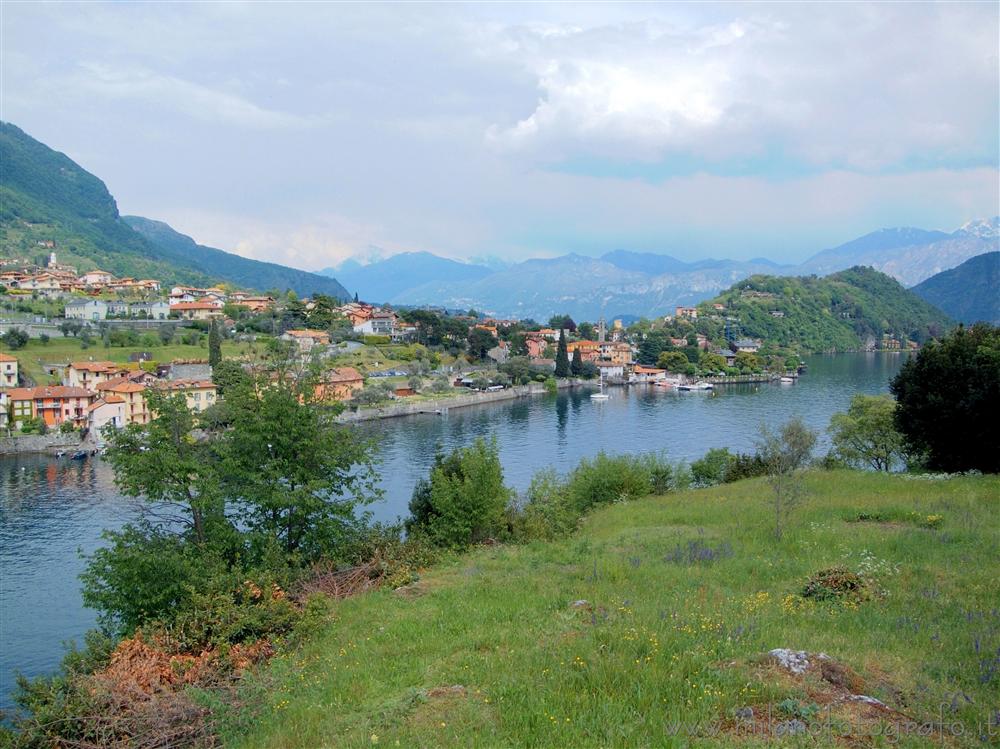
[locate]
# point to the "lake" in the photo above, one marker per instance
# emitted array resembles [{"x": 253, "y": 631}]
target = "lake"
[{"x": 51, "y": 509}]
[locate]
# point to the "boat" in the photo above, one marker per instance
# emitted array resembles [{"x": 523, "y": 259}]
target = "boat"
[
  {"x": 787, "y": 380},
  {"x": 80, "y": 455},
  {"x": 600, "y": 395},
  {"x": 696, "y": 386}
]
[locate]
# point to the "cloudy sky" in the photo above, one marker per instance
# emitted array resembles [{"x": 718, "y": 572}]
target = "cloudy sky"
[{"x": 307, "y": 133}]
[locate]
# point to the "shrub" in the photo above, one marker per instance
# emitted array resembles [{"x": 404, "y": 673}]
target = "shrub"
[
  {"x": 835, "y": 583},
  {"x": 712, "y": 467},
  {"x": 609, "y": 478},
  {"x": 743, "y": 466},
  {"x": 464, "y": 500},
  {"x": 546, "y": 511}
]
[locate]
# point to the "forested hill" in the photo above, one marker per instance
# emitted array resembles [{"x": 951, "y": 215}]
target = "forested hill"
[
  {"x": 843, "y": 311},
  {"x": 969, "y": 293},
  {"x": 238, "y": 270},
  {"x": 45, "y": 196}
]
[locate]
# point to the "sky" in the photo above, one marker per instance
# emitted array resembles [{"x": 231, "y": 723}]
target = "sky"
[{"x": 307, "y": 133}]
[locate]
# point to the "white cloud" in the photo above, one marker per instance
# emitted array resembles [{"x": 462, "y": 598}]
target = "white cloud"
[{"x": 179, "y": 95}]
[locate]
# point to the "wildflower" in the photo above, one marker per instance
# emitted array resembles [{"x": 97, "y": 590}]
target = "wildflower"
[{"x": 374, "y": 738}]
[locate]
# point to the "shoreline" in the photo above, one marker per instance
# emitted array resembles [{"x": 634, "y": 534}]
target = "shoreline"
[{"x": 440, "y": 406}]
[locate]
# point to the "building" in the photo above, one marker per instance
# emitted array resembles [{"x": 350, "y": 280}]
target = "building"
[
  {"x": 749, "y": 345},
  {"x": 4, "y": 408},
  {"x": 500, "y": 353},
  {"x": 8, "y": 371},
  {"x": 134, "y": 396},
  {"x": 96, "y": 278},
  {"x": 691, "y": 313},
  {"x": 105, "y": 410},
  {"x": 253, "y": 303},
  {"x": 150, "y": 310},
  {"x": 196, "y": 310},
  {"x": 339, "y": 384},
  {"x": 86, "y": 309},
  {"x": 536, "y": 347},
  {"x": 54, "y": 404},
  {"x": 380, "y": 323},
  {"x": 306, "y": 339},
  {"x": 198, "y": 394},
  {"x": 589, "y": 350},
  {"x": 647, "y": 374},
  {"x": 729, "y": 356},
  {"x": 617, "y": 353},
  {"x": 611, "y": 370},
  {"x": 89, "y": 374}
]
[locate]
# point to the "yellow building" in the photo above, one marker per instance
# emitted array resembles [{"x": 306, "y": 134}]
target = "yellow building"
[
  {"x": 134, "y": 395},
  {"x": 198, "y": 394}
]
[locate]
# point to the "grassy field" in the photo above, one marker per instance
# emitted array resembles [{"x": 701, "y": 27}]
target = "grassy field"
[
  {"x": 64, "y": 350},
  {"x": 648, "y": 626}
]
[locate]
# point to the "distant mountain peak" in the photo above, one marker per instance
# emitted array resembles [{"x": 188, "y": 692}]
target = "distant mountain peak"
[{"x": 984, "y": 228}]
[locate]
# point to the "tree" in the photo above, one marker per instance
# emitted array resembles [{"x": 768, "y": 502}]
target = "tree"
[
  {"x": 227, "y": 375},
  {"x": 294, "y": 473},
  {"x": 746, "y": 362},
  {"x": 576, "y": 366},
  {"x": 166, "y": 333},
  {"x": 673, "y": 361},
  {"x": 562, "y": 322},
  {"x": 709, "y": 362},
  {"x": 785, "y": 453},
  {"x": 15, "y": 338},
  {"x": 867, "y": 435},
  {"x": 464, "y": 499},
  {"x": 586, "y": 331},
  {"x": 480, "y": 342},
  {"x": 562, "y": 356},
  {"x": 948, "y": 396},
  {"x": 214, "y": 344},
  {"x": 161, "y": 463}
]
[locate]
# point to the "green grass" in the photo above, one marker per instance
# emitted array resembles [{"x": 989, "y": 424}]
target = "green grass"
[
  {"x": 64, "y": 350},
  {"x": 659, "y": 640}
]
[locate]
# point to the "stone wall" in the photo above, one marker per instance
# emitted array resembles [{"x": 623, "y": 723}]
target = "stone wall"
[{"x": 39, "y": 443}]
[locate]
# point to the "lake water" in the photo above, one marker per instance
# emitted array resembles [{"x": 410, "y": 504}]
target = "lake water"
[{"x": 51, "y": 509}]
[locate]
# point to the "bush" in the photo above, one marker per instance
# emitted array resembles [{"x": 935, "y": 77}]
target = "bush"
[
  {"x": 712, "y": 468},
  {"x": 464, "y": 500},
  {"x": 743, "y": 466},
  {"x": 546, "y": 511},
  {"x": 14, "y": 339},
  {"x": 835, "y": 583},
  {"x": 615, "y": 478}
]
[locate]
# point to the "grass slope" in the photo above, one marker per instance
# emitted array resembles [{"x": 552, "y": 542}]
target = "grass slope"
[
  {"x": 839, "y": 312},
  {"x": 493, "y": 654}
]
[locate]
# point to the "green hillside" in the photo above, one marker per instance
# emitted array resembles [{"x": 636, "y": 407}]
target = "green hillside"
[
  {"x": 46, "y": 197},
  {"x": 234, "y": 268},
  {"x": 970, "y": 293},
  {"x": 650, "y": 627},
  {"x": 840, "y": 312}
]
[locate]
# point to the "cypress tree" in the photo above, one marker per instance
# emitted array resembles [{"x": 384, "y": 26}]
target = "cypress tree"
[
  {"x": 562, "y": 356},
  {"x": 214, "y": 344},
  {"x": 576, "y": 366}
]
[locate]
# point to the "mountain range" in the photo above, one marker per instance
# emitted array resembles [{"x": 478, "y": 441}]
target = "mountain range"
[
  {"x": 969, "y": 293},
  {"x": 46, "y": 197},
  {"x": 629, "y": 284}
]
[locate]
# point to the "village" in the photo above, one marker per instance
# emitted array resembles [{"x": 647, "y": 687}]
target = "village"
[{"x": 369, "y": 355}]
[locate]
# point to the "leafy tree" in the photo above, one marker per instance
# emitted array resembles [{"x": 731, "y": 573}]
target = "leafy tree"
[
  {"x": 785, "y": 453},
  {"x": 652, "y": 345},
  {"x": 589, "y": 370},
  {"x": 709, "y": 362},
  {"x": 586, "y": 331},
  {"x": 673, "y": 361},
  {"x": 562, "y": 356},
  {"x": 70, "y": 327},
  {"x": 294, "y": 472},
  {"x": 948, "y": 396},
  {"x": 480, "y": 341},
  {"x": 14, "y": 339},
  {"x": 214, "y": 344},
  {"x": 576, "y": 366},
  {"x": 747, "y": 363},
  {"x": 163, "y": 464},
  {"x": 866, "y": 434},
  {"x": 712, "y": 467},
  {"x": 464, "y": 499},
  {"x": 227, "y": 375},
  {"x": 562, "y": 322}
]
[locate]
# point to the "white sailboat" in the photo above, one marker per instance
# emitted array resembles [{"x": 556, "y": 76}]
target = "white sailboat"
[{"x": 600, "y": 395}]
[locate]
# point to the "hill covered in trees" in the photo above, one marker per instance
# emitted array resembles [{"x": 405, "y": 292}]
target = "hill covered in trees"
[
  {"x": 46, "y": 197},
  {"x": 969, "y": 293},
  {"x": 843, "y": 311}
]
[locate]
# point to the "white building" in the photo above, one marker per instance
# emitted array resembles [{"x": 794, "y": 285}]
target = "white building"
[{"x": 87, "y": 309}]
